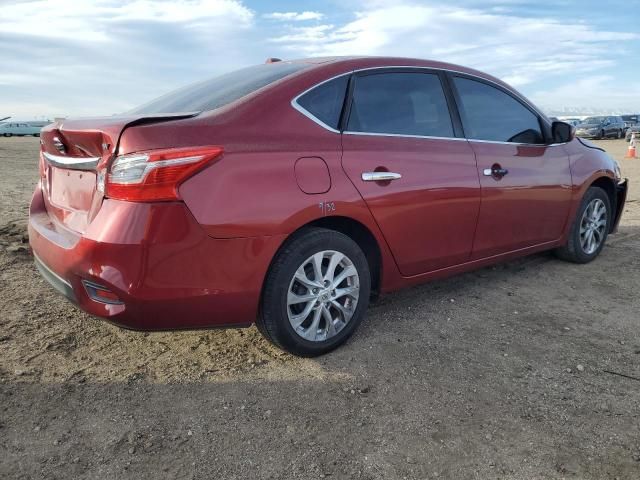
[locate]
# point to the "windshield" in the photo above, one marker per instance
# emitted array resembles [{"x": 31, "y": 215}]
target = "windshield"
[
  {"x": 219, "y": 91},
  {"x": 593, "y": 120}
]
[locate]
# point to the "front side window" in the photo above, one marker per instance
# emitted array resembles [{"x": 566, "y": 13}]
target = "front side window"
[
  {"x": 490, "y": 114},
  {"x": 593, "y": 121},
  {"x": 325, "y": 101},
  {"x": 400, "y": 103}
]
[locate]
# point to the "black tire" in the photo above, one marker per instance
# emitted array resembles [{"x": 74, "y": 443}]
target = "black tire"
[
  {"x": 573, "y": 251},
  {"x": 602, "y": 136},
  {"x": 273, "y": 320},
  {"x": 619, "y": 134},
  {"x": 7, "y": 135}
]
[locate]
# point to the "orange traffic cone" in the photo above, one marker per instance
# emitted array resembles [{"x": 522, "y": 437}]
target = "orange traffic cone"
[{"x": 631, "y": 152}]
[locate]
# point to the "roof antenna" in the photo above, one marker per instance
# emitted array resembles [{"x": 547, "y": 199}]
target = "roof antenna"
[{"x": 273, "y": 60}]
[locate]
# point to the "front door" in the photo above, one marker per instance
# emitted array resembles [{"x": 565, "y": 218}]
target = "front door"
[
  {"x": 419, "y": 180},
  {"x": 525, "y": 182}
]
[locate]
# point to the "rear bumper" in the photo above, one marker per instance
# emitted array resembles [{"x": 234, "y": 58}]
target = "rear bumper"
[
  {"x": 57, "y": 282},
  {"x": 165, "y": 270}
]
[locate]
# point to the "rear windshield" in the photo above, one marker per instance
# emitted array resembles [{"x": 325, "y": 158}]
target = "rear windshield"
[{"x": 219, "y": 91}]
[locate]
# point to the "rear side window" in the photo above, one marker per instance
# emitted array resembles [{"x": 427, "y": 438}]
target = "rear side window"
[
  {"x": 400, "y": 103},
  {"x": 490, "y": 114},
  {"x": 219, "y": 91},
  {"x": 325, "y": 101}
]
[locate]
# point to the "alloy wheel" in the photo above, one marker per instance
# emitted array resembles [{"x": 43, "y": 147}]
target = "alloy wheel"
[
  {"x": 323, "y": 295},
  {"x": 592, "y": 226}
]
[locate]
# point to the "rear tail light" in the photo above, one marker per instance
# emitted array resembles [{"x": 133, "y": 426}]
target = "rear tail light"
[{"x": 155, "y": 175}]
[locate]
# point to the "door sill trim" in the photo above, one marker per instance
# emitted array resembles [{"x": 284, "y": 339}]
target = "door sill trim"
[{"x": 484, "y": 261}]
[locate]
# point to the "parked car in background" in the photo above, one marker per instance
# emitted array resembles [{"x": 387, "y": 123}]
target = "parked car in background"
[
  {"x": 630, "y": 120},
  {"x": 572, "y": 121},
  {"x": 635, "y": 129},
  {"x": 601, "y": 127},
  {"x": 287, "y": 194},
  {"x": 11, "y": 129}
]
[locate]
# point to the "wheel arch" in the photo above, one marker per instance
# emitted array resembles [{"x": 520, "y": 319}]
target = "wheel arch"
[
  {"x": 355, "y": 230},
  {"x": 608, "y": 185},
  {"x": 365, "y": 239}
]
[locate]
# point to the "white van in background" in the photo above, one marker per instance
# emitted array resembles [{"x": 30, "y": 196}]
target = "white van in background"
[{"x": 10, "y": 129}]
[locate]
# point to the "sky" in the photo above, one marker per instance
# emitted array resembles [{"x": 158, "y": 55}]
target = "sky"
[{"x": 103, "y": 57}]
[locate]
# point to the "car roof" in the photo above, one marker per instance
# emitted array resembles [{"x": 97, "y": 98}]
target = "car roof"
[{"x": 365, "y": 62}]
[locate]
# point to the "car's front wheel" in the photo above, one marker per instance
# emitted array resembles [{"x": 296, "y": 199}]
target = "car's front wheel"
[
  {"x": 590, "y": 228},
  {"x": 316, "y": 292}
]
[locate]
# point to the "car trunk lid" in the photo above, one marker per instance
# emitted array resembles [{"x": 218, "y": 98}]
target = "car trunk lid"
[{"x": 74, "y": 157}]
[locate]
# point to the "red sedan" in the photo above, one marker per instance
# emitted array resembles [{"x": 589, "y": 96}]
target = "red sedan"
[{"x": 290, "y": 193}]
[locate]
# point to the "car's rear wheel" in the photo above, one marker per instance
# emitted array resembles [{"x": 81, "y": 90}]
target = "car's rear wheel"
[
  {"x": 590, "y": 228},
  {"x": 619, "y": 134},
  {"x": 316, "y": 292},
  {"x": 7, "y": 134}
]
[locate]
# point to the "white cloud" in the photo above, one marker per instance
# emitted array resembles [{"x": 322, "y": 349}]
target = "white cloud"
[
  {"x": 89, "y": 21},
  {"x": 304, "y": 36},
  {"x": 105, "y": 56},
  {"x": 185, "y": 10},
  {"x": 517, "y": 48},
  {"x": 294, "y": 16}
]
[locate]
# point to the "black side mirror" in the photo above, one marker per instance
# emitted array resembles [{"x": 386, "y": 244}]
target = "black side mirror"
[{"x": 562, "y": 132}]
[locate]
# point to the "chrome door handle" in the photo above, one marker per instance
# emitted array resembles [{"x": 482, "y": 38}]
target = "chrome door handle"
[
  {"x": 380, "y": 176},
  {"x": 495, "y": 171}
]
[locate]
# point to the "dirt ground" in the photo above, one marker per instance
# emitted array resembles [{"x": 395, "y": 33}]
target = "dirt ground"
[{"x": 505, "y": 373}]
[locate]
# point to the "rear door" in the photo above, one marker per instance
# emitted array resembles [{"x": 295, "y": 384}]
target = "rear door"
[
  {"x": 403, "y": 152},
  {"x": 526, "y": 182},
  {"x": 609, "y": 126},
  {"x": 619, "y": 126}
]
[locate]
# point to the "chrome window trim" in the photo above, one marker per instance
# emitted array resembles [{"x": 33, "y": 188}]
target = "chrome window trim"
[
  {"x": 517, "y": 144},
  {"x": 453, "y": 138},
  {"x": 295, "y": 105},
  {"x": 306, "y": 113},
  {"x": 74, "y": 163},
  {"x": 374, "y": 134}
]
